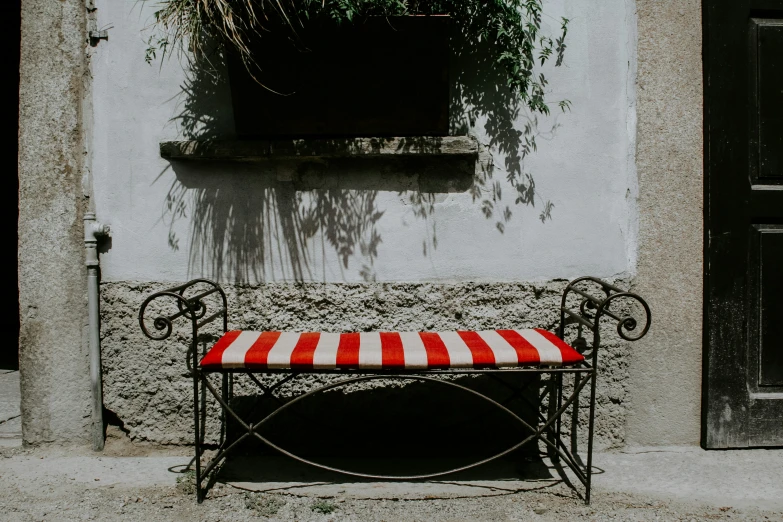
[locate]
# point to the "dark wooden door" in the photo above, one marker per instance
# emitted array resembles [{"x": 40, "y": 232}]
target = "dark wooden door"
[{"x": 743, "y": 85}]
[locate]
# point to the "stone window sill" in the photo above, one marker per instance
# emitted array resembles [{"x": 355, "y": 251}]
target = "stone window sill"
[{"x": 305, "y": 149}]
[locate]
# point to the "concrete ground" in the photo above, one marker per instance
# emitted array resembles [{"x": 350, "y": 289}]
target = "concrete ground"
[{"x": 129, "y": 482}]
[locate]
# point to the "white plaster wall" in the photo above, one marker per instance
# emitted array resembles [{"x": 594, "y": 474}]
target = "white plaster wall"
[{"x": 238, "y": 223}]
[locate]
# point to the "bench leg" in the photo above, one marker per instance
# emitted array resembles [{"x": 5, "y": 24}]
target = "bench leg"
[
  {"x": 197, "y": 433},
  {"x": 589, "y": 469},
  {"x": 555, "y": 402},
  {"x": 223, "y": 417},
  {"x": 558, "y": 449}
]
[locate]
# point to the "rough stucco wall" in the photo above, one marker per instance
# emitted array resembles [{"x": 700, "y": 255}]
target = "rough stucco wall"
[
  {"x": 53, "y": 357},
  {"x": 666, "y": 365},
  {"x": 146, "y": 383}
]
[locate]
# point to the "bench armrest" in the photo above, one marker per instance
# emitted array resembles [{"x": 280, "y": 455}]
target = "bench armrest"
[
  {"x": 186, "y": 302},
  {"x": 599, "y": 299}
]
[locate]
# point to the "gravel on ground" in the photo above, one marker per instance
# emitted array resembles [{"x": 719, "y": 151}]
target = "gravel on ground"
[{"x": 41, "y": 497}]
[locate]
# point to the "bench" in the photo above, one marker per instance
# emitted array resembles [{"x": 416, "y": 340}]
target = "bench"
[{"x": 405, "y": 356}]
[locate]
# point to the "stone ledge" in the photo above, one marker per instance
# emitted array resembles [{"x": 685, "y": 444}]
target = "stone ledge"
[{"x": 240, "y": 150}]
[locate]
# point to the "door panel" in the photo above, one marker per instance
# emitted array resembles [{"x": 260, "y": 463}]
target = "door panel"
[
  {"x": 770, "y": 289},
  {"x": 743, "y": 116},
  {"x": 766, "y": 36}
]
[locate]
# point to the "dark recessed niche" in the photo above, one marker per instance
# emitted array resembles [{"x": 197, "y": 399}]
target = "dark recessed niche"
[{"x": 383, "y": 76}]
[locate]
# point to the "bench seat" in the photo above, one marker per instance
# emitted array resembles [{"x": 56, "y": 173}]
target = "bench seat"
[{"x": 249, "y": 350}]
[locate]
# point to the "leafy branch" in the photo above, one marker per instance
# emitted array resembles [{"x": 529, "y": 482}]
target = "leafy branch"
[{"x": 512, "y": 26}]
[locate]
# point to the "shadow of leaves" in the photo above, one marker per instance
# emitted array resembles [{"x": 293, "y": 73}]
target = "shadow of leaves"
[{"x": 248, "y": 225}]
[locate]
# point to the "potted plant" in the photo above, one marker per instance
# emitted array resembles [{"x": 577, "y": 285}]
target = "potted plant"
[{"x": 356, "y": 67}]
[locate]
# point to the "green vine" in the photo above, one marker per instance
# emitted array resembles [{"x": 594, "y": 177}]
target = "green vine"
[{"x": 513, "y": 27}]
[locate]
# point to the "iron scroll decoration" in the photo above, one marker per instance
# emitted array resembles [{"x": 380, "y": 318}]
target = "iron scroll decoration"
[
  {"x": 162, "y": 322},
  {"x": 593, "y": 308},
  {"x": 193, "y": 308},
  {"x": 627, "y": 323}
]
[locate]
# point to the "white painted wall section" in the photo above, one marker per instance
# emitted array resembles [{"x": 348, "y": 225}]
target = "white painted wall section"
[{"x": 238, "y": 223}]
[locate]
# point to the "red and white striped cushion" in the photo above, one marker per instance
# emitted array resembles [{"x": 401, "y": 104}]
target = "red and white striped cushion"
[{"x": 388, "y": 350}]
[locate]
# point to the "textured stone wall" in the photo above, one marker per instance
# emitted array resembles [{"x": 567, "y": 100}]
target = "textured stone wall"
[
  {"x": 52, "y": 289},
  {"x": 146, "y": 385},
  {"x": 666, "y": 367}
]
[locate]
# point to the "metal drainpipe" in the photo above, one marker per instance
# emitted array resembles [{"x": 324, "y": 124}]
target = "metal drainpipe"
[{"x": 92, "y": 231}]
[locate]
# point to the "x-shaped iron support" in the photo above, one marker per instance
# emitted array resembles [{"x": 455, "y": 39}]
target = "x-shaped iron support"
[{"x": 548, "y": 430}]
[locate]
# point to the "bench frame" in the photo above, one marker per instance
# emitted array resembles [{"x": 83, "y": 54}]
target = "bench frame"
[{"x": 193, "y": 306}]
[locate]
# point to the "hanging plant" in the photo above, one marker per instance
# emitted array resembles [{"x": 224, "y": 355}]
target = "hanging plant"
[{"x": 512, "y": 27}]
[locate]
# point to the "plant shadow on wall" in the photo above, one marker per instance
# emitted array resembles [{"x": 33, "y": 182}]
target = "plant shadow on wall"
[
  {"x": 480, "y": 94},
  {"x": 247, "y": 225}
]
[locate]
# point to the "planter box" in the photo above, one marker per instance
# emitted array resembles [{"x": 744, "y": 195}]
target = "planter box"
[{"x": 379, "y": 77}]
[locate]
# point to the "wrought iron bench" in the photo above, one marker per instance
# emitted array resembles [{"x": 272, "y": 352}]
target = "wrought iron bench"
[{"x": 406, "y": 356}]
